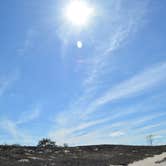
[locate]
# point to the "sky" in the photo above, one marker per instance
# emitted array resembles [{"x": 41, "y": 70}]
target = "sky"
[{"x": 103, "y": 82}]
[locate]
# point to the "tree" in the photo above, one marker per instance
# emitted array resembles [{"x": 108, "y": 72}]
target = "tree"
[{"x": 45, "y": 142}]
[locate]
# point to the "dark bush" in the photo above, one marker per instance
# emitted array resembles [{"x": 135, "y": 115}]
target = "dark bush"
[{"x": 45, "y": 142}]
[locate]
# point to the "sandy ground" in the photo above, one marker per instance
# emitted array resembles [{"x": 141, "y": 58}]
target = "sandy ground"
[{"x": 157, "y": 160}]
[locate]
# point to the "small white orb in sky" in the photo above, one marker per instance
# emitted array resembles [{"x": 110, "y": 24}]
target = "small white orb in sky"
[
  {"x": 79, "y": 44},
  {"x": 78, "y": 12}
]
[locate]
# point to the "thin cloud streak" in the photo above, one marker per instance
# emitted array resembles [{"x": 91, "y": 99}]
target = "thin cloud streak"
[
  {"x": 135, "y": 85},
  {"x": 7, "y": 81},
  {"x": 10, "y": 127},
  {"x": 28, "y": 43},
  {"x": 123, "y": 27},
  {"x": 28, "y": 116},
  {"x": 122, "y": 130},
  {"x": 13, "y": 127},
  {"x": 85, "y": 107},
  {"x": 18, "y": 135},
  {"x": 3, "y": 86}
]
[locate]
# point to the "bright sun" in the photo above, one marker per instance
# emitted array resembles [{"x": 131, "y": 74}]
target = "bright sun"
[{"x": 78, "y": 13}]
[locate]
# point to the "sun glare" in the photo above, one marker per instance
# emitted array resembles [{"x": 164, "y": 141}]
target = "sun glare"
[{"x": 78, "y": 13}]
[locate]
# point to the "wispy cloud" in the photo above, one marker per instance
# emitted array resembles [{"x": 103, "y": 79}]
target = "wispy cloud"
[
  {"x": 16, "y": 134},
  {"x": 121, "y": 27},
  {"x": 28, "y": 116},
  {"x": 12, "y": 127},
  {"x": 117, "y": 134},
  {"x": 139, "y": 83},
  {"x": 3, "y": 86},
  {"x": 28, "y": 43},
  {"x": 7, "y": 81},
  {"x": 135, "y": 85},
  {"x": 81, "y": 122}
]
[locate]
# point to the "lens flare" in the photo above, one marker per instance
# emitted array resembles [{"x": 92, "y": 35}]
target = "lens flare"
[{"x": 79, "y": 44}]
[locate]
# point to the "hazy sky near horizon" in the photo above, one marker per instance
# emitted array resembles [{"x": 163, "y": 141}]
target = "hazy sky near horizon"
[{"x": 99, "y": 83}]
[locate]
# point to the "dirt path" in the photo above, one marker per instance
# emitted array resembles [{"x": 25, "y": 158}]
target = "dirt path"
[{"x": 158, "y": 160}]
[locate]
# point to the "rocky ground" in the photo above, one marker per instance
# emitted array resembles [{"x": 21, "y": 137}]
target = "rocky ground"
[{"x": 102, "y": 155}]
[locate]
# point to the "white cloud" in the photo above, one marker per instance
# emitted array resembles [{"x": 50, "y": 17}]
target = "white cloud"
[
  {"x": 12, "y": 127},
  {"x": 17, "y": 135},
  {"x": 28, "y": 43},
  {"x": 3, "y": 86},
  {"x": 7, "y": 81},
  {"x": 101, "y": 133},
  {"x": 139, "y": 83},
  {"x": 63, "y": 133},
  {"x": 135, "y": 85},
  {"x": 121, "y": 26},
  {"x": 117, "y": 134},
  {"x": 80, "y": 115},
  {"x": 28, "y": 116}
]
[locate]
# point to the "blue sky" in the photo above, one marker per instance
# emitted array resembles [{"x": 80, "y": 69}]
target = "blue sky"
[{"x": 110, "y": 91}]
